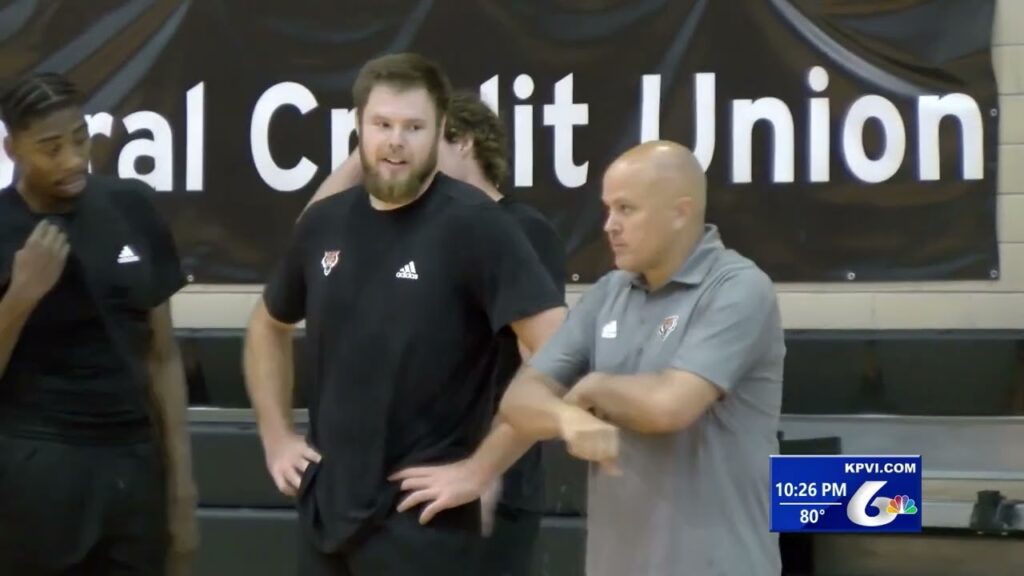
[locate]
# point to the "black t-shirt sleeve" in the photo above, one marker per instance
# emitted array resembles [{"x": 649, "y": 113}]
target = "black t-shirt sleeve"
[
  {"x": 549, "y": 247},
  {"x": 507, "y": 275},
  {"x": 285, "y": 292},
  {"x": 167, "y": 276}
]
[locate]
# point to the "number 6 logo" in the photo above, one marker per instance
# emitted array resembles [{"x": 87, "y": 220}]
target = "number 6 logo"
[{"x": 857, "y": 509}]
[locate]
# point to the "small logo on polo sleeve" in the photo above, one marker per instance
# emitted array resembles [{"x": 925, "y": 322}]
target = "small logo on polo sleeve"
[
  {"x": 329, "y": 261},
  {"x": 668, "y": 325},
  {"x": 610, "y": 330}
]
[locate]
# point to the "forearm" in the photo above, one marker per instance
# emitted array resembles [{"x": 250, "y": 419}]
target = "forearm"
[
  {"x": 169, "y": 393},
  {"x": 638, "y": 402},
  {"x": 533, "y": 405},
  {"x": 269, "y": 377},
  {"x": 502, "y": 447},
  {"x": 14, "y": 313}
]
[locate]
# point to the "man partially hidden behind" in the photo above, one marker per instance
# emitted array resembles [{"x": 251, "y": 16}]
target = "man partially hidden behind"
[
  {"x": 404, "y": 283},
  {"x": 95, "y": 468}
]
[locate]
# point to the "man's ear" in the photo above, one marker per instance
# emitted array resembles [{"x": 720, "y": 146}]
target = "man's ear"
[
  {"x": 465, "y": 146},
  {"x": 685, "y": 209}
]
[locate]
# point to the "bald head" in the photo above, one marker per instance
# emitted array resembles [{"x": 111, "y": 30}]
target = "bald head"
[
  {"x": 666, "y": 169},
  {"x": 656, "y": 195}
]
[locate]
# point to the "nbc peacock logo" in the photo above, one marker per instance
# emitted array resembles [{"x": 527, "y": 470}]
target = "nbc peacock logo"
[
  {"x": 901, "y": 505},
  {"x": 889, "y": 508}
]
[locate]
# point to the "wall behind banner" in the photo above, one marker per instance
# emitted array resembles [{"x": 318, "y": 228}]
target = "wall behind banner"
[{"x": 841, "y": 143}]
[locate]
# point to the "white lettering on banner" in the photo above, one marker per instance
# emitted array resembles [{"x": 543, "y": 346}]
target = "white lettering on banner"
[
  {"x": 930, "y": 111},
  {"x": 704, "y": 146},
  {"x": 489, "y": 93},
  {"x": 278, "y": 96},
  {"x": 343, "y": 126},
  {"x": 746, "y": 113},
  {"x": 888, "y": 116},
  {"x": 563, "y": 115},
  {"x": 101, "y": 124},
  {"x": 160, "y": 148},
  {"x": 650, "y": 108},
  {"x": 811, "y": 131},
  {"x": 819, "y": 142},
  {"x": 775, "y": 113},
  {"x": 195, "y": 137},
  {"x": 523, "y": 119}
]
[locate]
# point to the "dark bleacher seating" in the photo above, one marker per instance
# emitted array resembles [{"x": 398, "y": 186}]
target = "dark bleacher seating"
[{"x": 248, "y": 528}]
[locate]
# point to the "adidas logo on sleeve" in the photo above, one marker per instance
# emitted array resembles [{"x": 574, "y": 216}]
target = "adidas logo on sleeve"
[{"x": 127, "y": 255}]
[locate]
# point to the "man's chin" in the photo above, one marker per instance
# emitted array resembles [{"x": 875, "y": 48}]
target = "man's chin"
[
  {"x": 398, "y": 193},
  {"x": 64, "y": 195}
]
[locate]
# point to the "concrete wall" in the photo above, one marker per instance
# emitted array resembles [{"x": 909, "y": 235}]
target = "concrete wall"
[{"x": 964, "y": 305}]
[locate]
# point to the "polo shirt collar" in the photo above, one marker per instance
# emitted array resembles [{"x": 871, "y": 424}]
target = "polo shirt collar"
[{"x": 700, "y": 262}]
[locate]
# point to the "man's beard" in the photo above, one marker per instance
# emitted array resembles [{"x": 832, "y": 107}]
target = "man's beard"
[{"x": 397, "y": 191}]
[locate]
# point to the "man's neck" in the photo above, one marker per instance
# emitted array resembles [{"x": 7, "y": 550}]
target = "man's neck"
[
  {"x": 675, "y": 259},
  {"x": 39, "y": 203},
  {"x": 482, "y": 183}
]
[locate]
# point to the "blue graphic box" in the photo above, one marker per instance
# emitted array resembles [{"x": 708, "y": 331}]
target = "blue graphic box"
[{"x": 845, "y": 493}]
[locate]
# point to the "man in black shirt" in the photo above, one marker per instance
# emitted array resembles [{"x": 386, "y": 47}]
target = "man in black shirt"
[
  {"x": 404, "y": 283},
  {"x": 474, "y": 150},
  {"x": 95, "y": 474}
]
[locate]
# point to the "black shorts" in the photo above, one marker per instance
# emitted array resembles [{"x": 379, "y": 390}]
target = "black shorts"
[
  {"x": 450, "y": 545},
  {"x": 70, "y": 510},
  {"x": 510, "y": 549}
]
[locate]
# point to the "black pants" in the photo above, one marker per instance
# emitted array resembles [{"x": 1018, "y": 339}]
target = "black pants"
[
  {"x": 81, "y": 510},
  {"x": 510, "y": 549},
  {"x": 399, "y": 546}
]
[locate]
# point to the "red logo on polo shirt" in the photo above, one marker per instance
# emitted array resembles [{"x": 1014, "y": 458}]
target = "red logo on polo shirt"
[
  {"x": 330, "y": 260},
  {"x": 668, "y": 325}
]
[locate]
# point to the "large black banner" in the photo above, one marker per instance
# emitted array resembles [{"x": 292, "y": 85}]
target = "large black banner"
[{"x": 843, "y": 139}]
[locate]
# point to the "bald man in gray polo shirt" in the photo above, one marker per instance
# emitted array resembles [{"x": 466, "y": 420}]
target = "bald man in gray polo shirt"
[{"x": 668, "y": 374}]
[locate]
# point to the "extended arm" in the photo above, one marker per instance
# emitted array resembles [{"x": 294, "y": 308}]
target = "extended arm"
[
  {"x": 270, "y": 383},
  {"x": 269, "y": 372},
  {"x": 169, "y": 397}
]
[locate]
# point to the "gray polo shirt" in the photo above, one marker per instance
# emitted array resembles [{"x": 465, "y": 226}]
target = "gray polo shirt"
[{"x": 693, "y": 502}]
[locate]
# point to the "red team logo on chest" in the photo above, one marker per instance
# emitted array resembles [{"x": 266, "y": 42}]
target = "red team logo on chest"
[
  {"x": 667, "y": 326},
  {"x": 330, "y": 261}
]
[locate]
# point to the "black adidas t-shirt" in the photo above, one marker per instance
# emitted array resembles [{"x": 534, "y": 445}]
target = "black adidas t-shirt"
[
  {"x": 402, "y": 311},
  {"x": 523, "y": 484},
  {"x": 78, "y": 371}
]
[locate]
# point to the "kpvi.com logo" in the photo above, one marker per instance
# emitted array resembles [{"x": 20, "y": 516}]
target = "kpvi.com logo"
[
  {"x": 880, "y": 468},
  {"x": 889, "y": 507}
]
